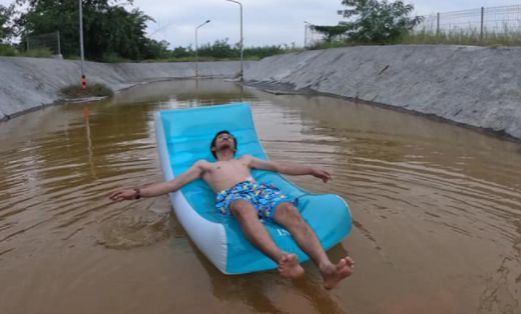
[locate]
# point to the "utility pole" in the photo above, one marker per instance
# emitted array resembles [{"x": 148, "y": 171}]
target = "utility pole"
[
  {"x": 241, "y": 41},
  {"x": 81, "y": 43},
  {"x": 197, "y": 49}
]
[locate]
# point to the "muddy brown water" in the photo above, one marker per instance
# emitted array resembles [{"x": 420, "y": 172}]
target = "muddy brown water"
[{"x": 437, "y": 211}]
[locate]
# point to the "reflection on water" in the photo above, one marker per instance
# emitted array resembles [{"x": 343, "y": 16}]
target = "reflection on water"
[{"x": 437, "y": 210}]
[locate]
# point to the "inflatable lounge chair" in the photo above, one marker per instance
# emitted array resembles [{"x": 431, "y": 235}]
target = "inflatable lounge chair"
[{"x": 183, "y": 137}]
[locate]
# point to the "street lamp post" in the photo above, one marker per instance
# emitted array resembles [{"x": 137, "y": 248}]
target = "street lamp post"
[
  {"x": 81, "y": 39},
  {"x": 197, "y": 49},
  {"x": 241, "y": 41}
]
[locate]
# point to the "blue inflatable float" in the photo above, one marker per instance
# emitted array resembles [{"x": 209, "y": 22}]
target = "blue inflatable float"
[{"x": 183, "y": 137}]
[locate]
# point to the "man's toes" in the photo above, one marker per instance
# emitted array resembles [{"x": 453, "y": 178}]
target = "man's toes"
[
  {"x": 288, "y": 259},
  {"x": 349, "y": 261}
]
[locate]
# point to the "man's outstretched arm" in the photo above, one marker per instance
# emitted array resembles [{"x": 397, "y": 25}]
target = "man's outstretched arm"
[
  {"x": 195, "y": 172},
  {"x": 288, "y": 168}
]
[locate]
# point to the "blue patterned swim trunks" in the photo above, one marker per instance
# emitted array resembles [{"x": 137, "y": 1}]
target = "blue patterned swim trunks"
[{"x": 264, "y": 197}]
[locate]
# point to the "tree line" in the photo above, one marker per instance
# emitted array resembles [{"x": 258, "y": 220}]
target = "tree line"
[
  {"x": 113, "y": 33},
  {"x": 109, "y": 28}
]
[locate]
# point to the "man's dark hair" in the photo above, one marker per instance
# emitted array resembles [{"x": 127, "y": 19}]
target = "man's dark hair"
[{"x": 215, "y": 139}]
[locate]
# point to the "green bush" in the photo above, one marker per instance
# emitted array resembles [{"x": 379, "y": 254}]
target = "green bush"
[
  {"x": 8, "y": 51},
  {"x": 113, "y": 57},
  {"x": 92, "y": 90},
  {"x": 219, "y": 49},
  {"x": 464, "y": 37},
  {"x": 332, "y": 44},
  {"x": 37, "y": 53},
  {"x": 182, "y": 52},
  {"x": 470, "y": 37}
]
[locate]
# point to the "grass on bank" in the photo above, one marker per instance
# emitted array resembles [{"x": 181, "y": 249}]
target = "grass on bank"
[
  {"x": 467, "y": 37},
  {"x": 471, "y": 38},
  {"x": 201, "y": 59},
  {"x": 10, "y": 51},
  {"x": 93, "y": 90}
]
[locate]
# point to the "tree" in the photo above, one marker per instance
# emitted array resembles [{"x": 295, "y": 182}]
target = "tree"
[
  {"x": 6, "y": 28},
  {"x": 109, "y": 29},
  {"x": 182, "y": 52},
  {"x": 156, "y": 49},
  {"x": 219, "y": 49},
  {"x": 373, "y": 21},
  {"x": 331, "y": 31}
]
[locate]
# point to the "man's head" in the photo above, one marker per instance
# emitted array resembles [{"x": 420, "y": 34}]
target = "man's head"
[{"x": 223, "y": 140}]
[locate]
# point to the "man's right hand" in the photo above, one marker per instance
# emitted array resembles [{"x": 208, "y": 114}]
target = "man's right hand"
[
  {"x": 121, "y": 195},
  {"x": 321, "y": 174}
]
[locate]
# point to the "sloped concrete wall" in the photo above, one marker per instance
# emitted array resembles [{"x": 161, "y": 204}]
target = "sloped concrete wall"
[
  {"x": 28, "y": 83},
  {"x": 475, "y": 86}
]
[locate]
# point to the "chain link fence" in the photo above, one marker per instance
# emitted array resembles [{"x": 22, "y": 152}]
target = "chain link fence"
[
  {"x": 499, "y": 25},
  {"x": 50, "y": 42},
  {"x": 312, "y": 37},
  {"x": 479, "y": 23}
]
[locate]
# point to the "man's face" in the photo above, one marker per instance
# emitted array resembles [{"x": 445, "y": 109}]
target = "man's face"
[{"x": 224, "y": 141}]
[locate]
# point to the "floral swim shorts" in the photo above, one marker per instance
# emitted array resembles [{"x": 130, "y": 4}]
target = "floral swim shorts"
[{"x": 264, "y": 197}]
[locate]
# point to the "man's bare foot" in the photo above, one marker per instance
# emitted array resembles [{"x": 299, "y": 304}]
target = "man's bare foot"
[
  {"x": 333, "y": 274},
  {"x": 289, "y": 267}
]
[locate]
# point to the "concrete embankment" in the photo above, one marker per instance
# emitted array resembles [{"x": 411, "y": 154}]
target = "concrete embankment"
[
  {"x": 29, "y": 83},
  {"x": 475, "y": 86}
]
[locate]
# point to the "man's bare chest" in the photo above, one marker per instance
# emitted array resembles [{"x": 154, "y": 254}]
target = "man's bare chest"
[{"x": 228, "y": 167}]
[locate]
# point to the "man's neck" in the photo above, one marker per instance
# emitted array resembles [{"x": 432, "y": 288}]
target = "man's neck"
[{"x": 225, "y": 155}]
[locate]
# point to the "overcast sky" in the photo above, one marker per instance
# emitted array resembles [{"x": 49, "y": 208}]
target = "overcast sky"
[{"x": 266, "y": 22}]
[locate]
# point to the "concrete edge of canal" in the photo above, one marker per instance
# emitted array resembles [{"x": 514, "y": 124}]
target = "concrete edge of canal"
[
  {"x": 27, "y": 84},
  {"x": 474, "y": 86}
]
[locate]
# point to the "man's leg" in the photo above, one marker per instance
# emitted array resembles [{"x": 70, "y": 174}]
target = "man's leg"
[
  {"x": 288, "y": 216},
  {"x": 257, "y": 234}
]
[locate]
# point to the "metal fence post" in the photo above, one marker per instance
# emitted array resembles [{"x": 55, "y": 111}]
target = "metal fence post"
[
  {"x": 482, "y": 23},
  {"x": 475, "y": 25},
  {"x": 438, "y": 24},
  {"x": 59, "y": 43},
  {"x": 305, "y": 35}
]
